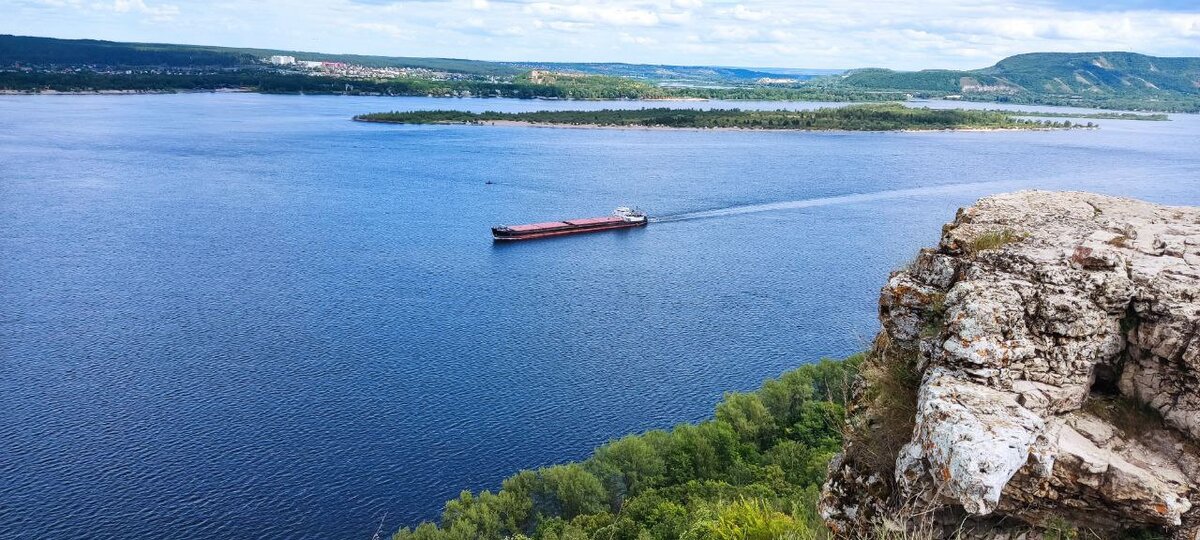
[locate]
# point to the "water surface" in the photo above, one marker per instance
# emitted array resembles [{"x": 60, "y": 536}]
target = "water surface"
[{"x": 244, "y": 316}]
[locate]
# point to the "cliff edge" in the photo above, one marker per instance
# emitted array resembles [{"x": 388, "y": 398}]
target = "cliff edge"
[{"x": 1039, "y": 370}]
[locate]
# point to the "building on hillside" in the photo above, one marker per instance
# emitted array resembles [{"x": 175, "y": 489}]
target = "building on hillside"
[{"x": 281, "y": 60}]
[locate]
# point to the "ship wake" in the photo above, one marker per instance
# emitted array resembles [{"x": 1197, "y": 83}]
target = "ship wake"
[{"x": 981, "y": 187}]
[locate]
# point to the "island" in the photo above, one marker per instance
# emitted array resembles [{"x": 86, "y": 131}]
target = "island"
[{"x": 870, "y": 117}]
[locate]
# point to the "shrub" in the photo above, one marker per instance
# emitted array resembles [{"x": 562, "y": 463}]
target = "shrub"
[
  {"x": 993, "y": 240},
  {"x": 754, "y": 471}
]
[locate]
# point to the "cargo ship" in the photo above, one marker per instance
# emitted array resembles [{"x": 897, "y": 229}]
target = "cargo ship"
[{"x": 622, "y": 218}]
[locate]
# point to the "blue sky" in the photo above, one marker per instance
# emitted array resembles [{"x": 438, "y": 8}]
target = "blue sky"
[{"x": 775, "y": 33}]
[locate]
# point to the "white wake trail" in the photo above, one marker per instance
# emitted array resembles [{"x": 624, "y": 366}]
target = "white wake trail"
[{"x": 829, "y": 201}]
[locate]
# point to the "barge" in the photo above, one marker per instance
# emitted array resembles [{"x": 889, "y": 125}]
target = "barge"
[{"x": 622, "y": 218}]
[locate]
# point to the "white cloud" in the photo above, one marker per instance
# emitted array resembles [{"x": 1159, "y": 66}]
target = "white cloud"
[
  {"x": 568, "y": 26},
  {"x": 743, "y": 13},
  {"x": 637, "y": 40},
  {"x": 158, "y": 12},
  {"x": 382, "y": 28},
  {"x": 676, "y": 18},
  {"x": 615, "y": 15},
  {"x": 731, "y": 33},
  {"x": 788, "y": 33}
]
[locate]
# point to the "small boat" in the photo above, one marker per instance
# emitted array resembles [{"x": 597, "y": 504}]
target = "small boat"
[{"x": 622, "y": 218}]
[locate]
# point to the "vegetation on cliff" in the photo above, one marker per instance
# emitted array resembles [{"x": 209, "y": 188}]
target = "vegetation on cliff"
[
  {"x": 754, "y": 471},
  {"x": 875, "y": 117}
]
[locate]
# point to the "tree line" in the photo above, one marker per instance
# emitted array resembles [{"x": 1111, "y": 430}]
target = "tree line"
[
  {"x": 872, "y": 117},
  {"x": 753, "y": 471},
  {"x": 268, "y": 80}
]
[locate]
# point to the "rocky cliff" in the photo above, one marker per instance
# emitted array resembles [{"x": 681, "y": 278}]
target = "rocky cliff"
[{"x": 1039, "y": 370}]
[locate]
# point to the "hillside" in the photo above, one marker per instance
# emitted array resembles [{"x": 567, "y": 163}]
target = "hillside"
[
  {"x": 754, "y": 471},
  {"x": 1111, "y": 80},
  {"x": 676, "y": 74},
  {"x": 1098, "y": 79},
  {"x": 64, "y": 52}
]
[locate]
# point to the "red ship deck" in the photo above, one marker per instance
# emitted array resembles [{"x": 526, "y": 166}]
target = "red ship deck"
[
  {"x": 559, "y": 228},
  {"x": 531, "y": 227}
]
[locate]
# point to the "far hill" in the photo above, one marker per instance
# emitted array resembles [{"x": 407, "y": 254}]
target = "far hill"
[
  {"x": 69, "y": 52},
  {"x": 1087, "y": 78},
  {"x": 73, "y": 52},
  {"x": 1110, "y": 80},
  {"x": 678, "y": 74}
]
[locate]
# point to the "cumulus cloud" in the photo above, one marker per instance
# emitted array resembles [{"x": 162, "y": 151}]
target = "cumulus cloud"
[
  {"x": 382, "y": 28},
  {"x": 611, "y": 14},
  {"x": 155, "y": 11},
  {"x": 637, "y": 40},
  {"x": 744, "y": 13}
]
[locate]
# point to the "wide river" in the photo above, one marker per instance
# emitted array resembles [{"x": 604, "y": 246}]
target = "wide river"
[{"x": 245, "y": 316}]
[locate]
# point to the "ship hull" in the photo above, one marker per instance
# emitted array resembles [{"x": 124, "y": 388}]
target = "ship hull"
[{"x": 506, "y": 236}]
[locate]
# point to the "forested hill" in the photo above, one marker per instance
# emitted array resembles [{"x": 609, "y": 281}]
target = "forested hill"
[
  {"x": 1066, "y": 78},
  {"x": 1111, "y": 80},
  {"x": 69, "y": 52},
  {"x": 72, "y": 52}
]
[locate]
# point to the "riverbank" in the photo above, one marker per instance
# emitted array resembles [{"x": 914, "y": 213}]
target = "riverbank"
[
  {"x": 6, "y": 92},
  {"x": 516, "y": 123},
  {"x": 875, "y": 117}
]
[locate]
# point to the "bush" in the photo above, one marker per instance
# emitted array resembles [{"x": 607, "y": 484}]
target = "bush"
[{"x": 754, "y": 471}]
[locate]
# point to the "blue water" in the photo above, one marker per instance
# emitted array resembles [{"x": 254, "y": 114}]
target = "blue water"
[{"x": 244, "y": 316}]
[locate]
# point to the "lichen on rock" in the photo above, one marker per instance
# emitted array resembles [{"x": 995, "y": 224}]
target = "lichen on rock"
[{"x": 1035, "y": 310}]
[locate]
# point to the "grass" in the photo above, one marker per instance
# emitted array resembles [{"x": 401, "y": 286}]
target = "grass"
[
  {"x": 993, "y": 240},
  {"x": 891, "y": 381}
]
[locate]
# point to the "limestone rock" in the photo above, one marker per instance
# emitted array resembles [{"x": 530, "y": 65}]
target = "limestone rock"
[{"x": 1057, "y": 341}]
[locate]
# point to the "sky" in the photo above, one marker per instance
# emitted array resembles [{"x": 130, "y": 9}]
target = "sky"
[{"x": 748, "y": 33}]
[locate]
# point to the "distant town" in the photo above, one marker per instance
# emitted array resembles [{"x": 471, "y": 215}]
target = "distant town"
[{"x": 343, "y": 69}]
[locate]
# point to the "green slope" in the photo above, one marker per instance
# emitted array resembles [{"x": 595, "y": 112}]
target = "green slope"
[
  {"x": 1105, "y": 73},
  {"x": 751, "y": 472},
  {"x": 71, "y": 52},
  {"x": 1099, "y": 79}
]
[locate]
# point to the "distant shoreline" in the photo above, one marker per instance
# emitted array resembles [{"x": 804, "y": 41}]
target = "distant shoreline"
[
  {"x": 874, "y": 117},
  {"x": 4, "y": 92},
  {"x": 517, "y": 123}
]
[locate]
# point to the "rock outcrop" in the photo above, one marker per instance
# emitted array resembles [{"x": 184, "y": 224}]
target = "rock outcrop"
[{"x": 1039, "y": 369}]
